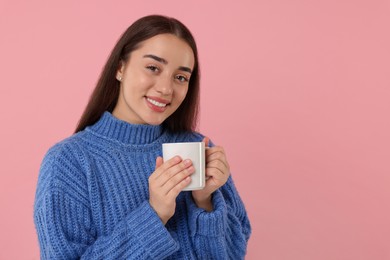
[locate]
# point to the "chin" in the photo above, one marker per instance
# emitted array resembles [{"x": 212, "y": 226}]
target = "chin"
[{"x": 155, "y": 121}]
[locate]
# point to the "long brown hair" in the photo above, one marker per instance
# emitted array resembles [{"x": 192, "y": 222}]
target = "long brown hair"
[{"x": 105, "y": 95}]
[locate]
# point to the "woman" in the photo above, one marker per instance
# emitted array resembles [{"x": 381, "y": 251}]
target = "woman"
[{"x": 106, "y": 193}]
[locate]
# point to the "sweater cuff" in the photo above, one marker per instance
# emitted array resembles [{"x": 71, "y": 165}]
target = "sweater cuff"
[
  {"x": 205, "y": 223},
  {"x": 151, "y": 232}
]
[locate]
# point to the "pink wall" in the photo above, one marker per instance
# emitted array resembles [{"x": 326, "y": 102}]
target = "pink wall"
[{"x": 298, "y": 92}]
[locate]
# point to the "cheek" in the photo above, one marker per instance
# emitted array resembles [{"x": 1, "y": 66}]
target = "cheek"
[
  {"x": 181, "y": 93},
  {"x": 138, "y": 81},
  {"x": 144, "y": 80}
]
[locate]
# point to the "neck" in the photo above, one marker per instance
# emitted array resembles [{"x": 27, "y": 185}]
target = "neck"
[{"x": 113, "y": 128}]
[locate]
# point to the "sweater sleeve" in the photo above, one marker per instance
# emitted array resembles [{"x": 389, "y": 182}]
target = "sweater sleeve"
[
  {"x": 224, "y": 232},
  {"x": 63, "y": 220}
]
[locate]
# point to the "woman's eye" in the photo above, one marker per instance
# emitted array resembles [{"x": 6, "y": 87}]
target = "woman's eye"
[
  {"x": 152, "y": 68},
  {"x": 182, "y": 78}
]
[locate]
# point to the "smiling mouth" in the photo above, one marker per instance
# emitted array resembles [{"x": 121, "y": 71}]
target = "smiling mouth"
[{"x": 156, "y": 103}]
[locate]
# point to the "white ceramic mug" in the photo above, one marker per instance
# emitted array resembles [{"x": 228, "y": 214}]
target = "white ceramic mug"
[{"x": 195, "y": 151}]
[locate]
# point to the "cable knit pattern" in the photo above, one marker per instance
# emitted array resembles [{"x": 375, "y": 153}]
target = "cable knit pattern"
[{"x": 92, "y": 201}]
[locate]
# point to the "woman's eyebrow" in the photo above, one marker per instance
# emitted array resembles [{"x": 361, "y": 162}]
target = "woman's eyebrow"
[
  {"x": 164, "y": 61},
  {"x": 186, "y": 69},
  {"x": 161, "y": 60}
]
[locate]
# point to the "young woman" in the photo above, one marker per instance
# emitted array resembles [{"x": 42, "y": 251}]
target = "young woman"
[{"x": 106, "y": 193}]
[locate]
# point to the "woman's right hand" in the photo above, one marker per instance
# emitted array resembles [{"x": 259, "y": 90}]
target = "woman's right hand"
[{"x": 166, "y": 182}]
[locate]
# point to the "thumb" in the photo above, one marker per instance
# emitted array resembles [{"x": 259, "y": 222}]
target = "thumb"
[
  {"x": 159, "y": 161},
  {"x": 206, "y": 140}
]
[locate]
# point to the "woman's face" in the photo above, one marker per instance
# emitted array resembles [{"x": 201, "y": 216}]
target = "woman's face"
[{"x": 154, "y": 80}]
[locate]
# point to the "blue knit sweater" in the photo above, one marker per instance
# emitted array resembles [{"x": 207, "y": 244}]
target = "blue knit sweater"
[{"x": 92, "y": 201}]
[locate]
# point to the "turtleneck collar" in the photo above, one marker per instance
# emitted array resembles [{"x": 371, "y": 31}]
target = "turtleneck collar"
[{"x": 124, "y": 132}]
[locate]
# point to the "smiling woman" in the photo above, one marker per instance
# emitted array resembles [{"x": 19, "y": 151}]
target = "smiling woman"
[
  {"x": 152, "y": 88},
  {"x": 106, "y": 193}
]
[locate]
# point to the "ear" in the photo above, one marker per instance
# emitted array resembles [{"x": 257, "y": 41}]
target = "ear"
[{"x": 120, "y": 71}]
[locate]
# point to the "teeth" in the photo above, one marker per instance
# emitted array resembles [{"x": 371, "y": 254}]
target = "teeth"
[{"x": 154, "y": 102}]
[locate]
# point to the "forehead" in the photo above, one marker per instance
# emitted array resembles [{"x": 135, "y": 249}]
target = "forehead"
[{"x": 169, "y": 47}]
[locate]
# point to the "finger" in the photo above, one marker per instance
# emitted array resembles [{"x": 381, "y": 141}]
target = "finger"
[
  {"x": 206, "y": 141},
  {"x": 216, "y": 168},
  {"x": 175, "y": 190},
  {"x": 215, "y": 149},
  {"x": 219, "y": 163},
  {"x": 166, "y": 165},
  {"x": 159, "y": 162},
  {"x": 215, "y": 183},
  {"x": 217, "y": 155},
  {"x": 217, "y": 176},
  {"x": 174, "y": 170},
  {"x": 176, "y": 182}
]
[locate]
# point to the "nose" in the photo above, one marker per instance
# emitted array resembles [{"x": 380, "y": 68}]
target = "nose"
[{"x": 164, "y": 86}]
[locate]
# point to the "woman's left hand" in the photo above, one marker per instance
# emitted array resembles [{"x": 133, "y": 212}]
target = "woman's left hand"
[{"x": 217, "y": 173}]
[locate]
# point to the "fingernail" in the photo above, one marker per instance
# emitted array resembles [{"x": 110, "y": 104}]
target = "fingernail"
[{"x": 187, "y": 162}]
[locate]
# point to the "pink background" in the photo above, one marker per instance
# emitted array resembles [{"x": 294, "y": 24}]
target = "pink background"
[{"x": 298, "y": 93}]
